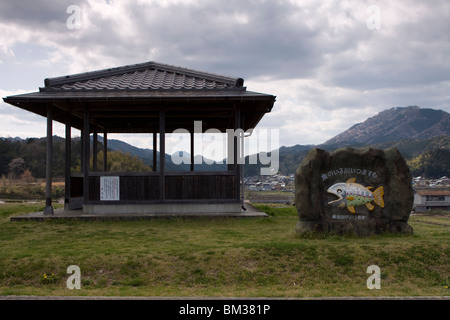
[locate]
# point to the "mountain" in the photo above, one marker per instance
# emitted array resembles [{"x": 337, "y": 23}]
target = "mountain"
[
  {"x": 396, "y": 124},
  {"x": 118, "y": 145},
  {"x": 200, "y": 163},
  {"x": 419, "y": 134},
  {"x": 290, "y": 157}
]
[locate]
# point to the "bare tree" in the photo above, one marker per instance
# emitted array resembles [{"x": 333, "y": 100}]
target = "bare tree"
[{"x": 17, "y": 167}]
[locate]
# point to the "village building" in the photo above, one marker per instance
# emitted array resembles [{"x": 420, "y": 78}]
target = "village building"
[
  {"x": 428, "y": 199},
  {"x": 155, "y": 99}
]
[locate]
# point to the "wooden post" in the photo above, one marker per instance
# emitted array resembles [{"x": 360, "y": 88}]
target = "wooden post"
[
  {"x": 68, "y": 163},
  {"x": 155, "y": 147},
  {"x": 237, "y": 149},
  {"x": 242, "y": 154},
  {"x": 105, "y": 151},
  {"x": 48, "y": 170},
  {"x": 86, "y": 154},
  {"x": 82, "y": 149},
  {"x": 192, "y": 150},
  {"x": 230, "y": 150},
  {"x": 162, "y": 151},
  {"x": 94, "y": 149}
]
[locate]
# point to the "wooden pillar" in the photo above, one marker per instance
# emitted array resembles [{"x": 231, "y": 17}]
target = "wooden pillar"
[
  {"x": 105, "y": 151},
  {"x": 230, "y": 150},
  {"x": 237, "y": 149},
  {"x": 68, "y": 163},
  {"x": 48, "y": 170},
  {"x": 94, "y": 149},
  {"x": 192, "y": 150},
  {"x": 86, "y": 154},
  {"x": 155, "y": 147},
  {"x": 162, "y": 151},
  {"x": 82, "y": 149},
  {"x": 242, "y": 154}
]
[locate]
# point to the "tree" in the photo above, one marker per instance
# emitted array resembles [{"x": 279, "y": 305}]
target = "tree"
[
  {"x": 118, "y": 162},
  {"x": 27, "y": 176},
  {"x": 17, "y": 167},
  {"x": 432, "y": 164}
]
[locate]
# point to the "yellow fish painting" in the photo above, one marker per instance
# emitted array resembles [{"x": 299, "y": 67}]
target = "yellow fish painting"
[{"x": 351, "y": 195}]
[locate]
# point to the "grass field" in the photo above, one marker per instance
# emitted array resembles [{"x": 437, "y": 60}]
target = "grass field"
[{"x": 217, "y": 257}]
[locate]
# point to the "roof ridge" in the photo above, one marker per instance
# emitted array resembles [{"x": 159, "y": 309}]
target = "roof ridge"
[
  {"x": 90, "y": 75},
  {"x": 84, "y": 76}
]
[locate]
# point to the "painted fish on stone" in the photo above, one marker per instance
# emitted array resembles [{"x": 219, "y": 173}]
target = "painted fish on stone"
[{"x": 353, "y": 195}]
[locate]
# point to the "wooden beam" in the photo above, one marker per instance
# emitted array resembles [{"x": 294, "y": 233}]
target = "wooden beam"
[
  {"x": 155, "y": 148},
  {"x": 86, "y": 154},
  {"x": 242, "y": 154},
  {"x": 67, "y": 165},
  {"x": 105, "y": 151},
  {"x": 94, "y": 149},
  {"x": 82, "y": 148},
  {"x": 237, "y": 142},
  {"x": 192, "y": 150},
  {"x": 48, "y": 169},
  {"x": 162, "y": 152}
]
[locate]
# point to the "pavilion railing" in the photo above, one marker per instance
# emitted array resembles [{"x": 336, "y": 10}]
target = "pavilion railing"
[{"x": 146, "y": 186}]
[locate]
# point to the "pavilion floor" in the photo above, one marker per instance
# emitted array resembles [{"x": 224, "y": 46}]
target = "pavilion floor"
[{"x": 250, "y": 212}]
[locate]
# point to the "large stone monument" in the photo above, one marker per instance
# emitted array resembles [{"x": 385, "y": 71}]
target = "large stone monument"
[{"x": 364, "y": 192}]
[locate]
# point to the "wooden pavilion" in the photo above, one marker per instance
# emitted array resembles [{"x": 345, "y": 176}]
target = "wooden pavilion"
[{"x": 150, "y": 98}]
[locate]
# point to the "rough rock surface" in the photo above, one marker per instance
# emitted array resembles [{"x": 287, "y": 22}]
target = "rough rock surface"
[{"x": 374, "y": 168}]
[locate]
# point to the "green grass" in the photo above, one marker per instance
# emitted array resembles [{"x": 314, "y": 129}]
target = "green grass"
[{"x": 217, "y": 257}]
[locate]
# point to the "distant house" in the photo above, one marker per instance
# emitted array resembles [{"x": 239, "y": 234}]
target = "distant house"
[{"x": 431, "y": 199}]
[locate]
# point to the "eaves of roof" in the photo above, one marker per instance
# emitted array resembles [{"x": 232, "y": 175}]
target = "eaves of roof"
[
  {"x": 137, "y": 94},
  {"x": 433, "y": 192}
]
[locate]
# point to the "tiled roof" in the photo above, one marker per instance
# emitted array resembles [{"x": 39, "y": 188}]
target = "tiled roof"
[
  {"x": 128, "y": 99},
  {"x": 144, "y": 76},
  {"x": 427, "y": 192}
]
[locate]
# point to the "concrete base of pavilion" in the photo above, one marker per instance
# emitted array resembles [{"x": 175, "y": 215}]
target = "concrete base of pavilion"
[{"x": 249, "y": 212}]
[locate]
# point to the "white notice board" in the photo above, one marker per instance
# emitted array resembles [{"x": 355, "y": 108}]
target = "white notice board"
[{"x": 109, "y": 188}]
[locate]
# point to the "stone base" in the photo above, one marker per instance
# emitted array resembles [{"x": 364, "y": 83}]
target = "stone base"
[
  {"x": 360, "y": 228},
  {"x": 250, "y": 212},
  {"x": 162, "y": 208},
  {"x": 48, "y": 210}
]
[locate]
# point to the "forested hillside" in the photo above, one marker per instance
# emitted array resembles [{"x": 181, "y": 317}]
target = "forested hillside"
[
  {"x": 429, "y": 157},
  {"x": 431, "y": 164},
  {"x": 18, "y": 157}
]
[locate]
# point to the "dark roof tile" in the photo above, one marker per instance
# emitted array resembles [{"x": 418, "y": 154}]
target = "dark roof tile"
[{"x": 144, "y": 76}]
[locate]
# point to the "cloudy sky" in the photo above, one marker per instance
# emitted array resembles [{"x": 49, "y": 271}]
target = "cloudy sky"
[{"x": 331, "y": 64}]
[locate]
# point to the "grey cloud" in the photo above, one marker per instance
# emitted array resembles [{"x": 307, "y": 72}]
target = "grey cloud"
[
  {"x": 279, "y": 39},
  {"x": 403, "y": 53},
  {"x": 36, "y": 14},
  {"x": 406, "y": 62},
  {"x": 273, "y": 42}
]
